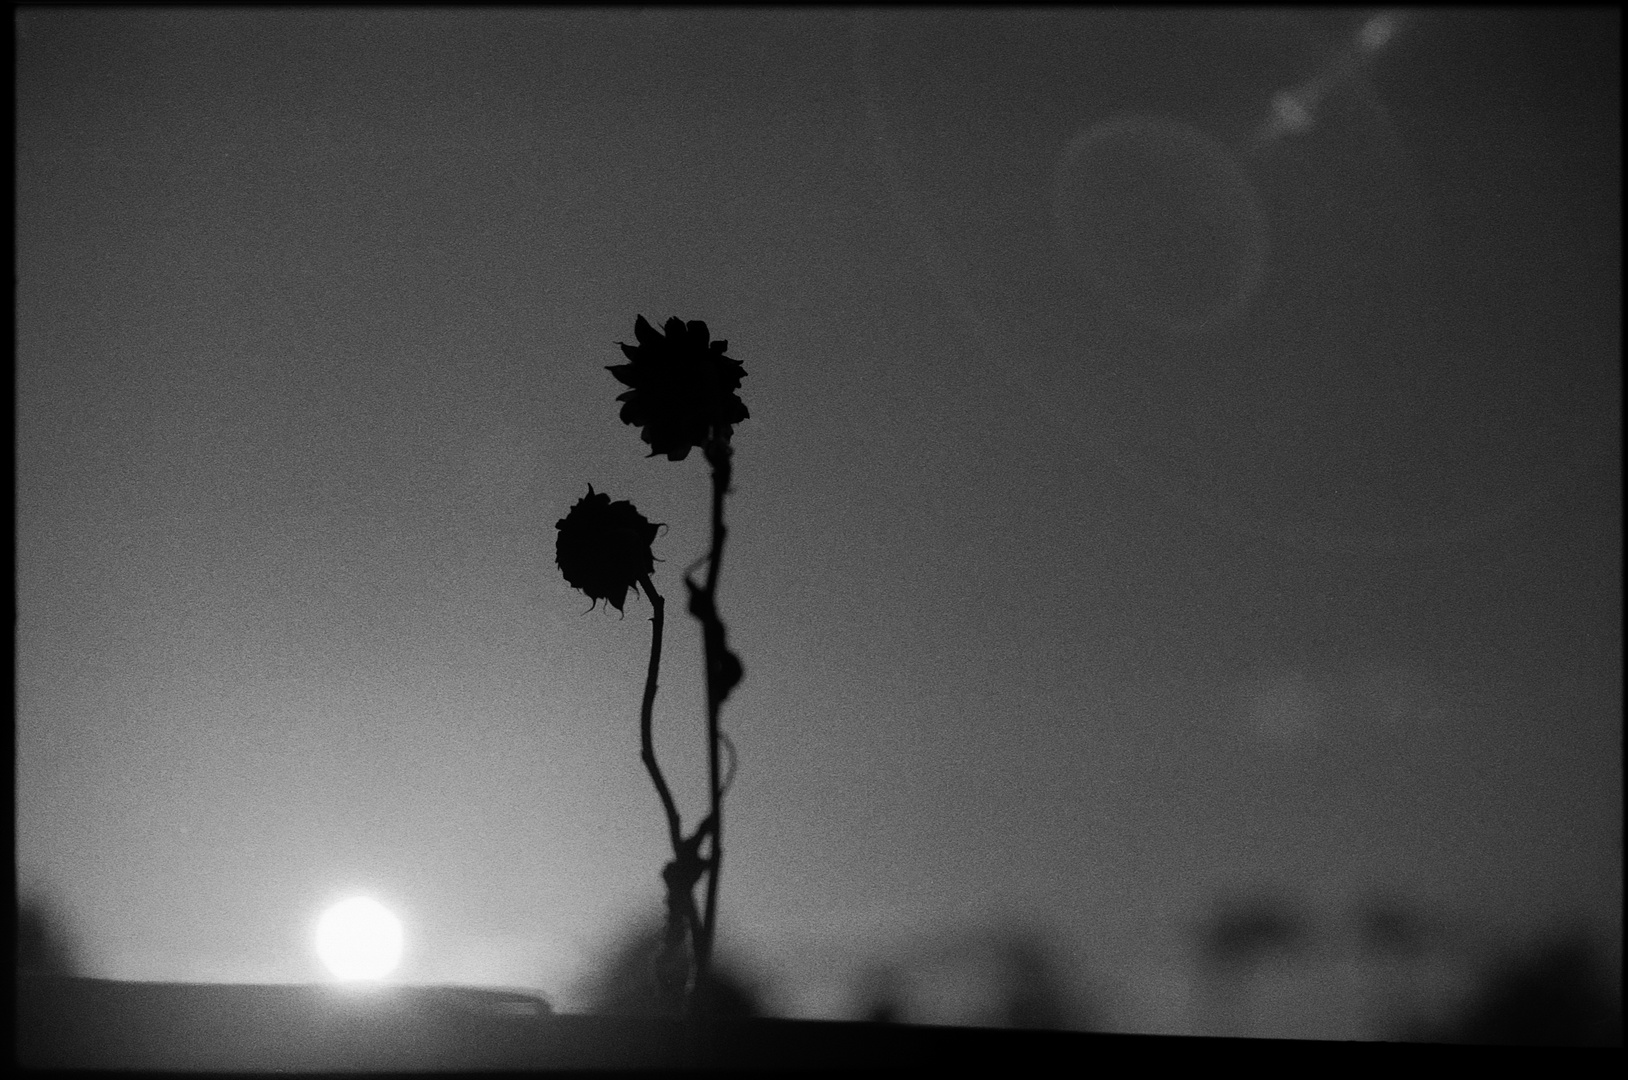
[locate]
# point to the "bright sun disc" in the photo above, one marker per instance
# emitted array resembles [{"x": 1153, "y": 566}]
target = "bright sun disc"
[{"x": 358, "y": 939}]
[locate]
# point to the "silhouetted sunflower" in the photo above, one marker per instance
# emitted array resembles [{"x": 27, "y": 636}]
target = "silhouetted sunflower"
[
  {"x": 683, "y": 387},
  {"x": 604, "y": 548}
]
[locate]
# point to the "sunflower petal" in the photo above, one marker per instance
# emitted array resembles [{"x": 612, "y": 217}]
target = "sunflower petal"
[{"x": 646, "y": 333}]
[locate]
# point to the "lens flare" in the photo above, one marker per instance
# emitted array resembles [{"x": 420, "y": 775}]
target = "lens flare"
[
  {"x": 1294, "y": 110},
  {"x": 1377, "y": 32}
]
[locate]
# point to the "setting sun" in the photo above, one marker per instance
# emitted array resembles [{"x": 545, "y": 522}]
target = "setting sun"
[{"x": 359, "y": 939}]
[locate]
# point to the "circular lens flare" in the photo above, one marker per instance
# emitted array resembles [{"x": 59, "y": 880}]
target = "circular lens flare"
[
  {"x": 1161, "y": 220},
  {"x": 359, "y": 940}
]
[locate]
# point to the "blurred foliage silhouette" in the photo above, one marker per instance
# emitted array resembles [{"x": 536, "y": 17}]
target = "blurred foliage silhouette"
[
  {"x": 44, "y": 944},
  {"x": 1241, "y": 930},
  {"x": 881, "y": 995},
  {"x": 625, "y": 980},
  {"x": 1555, "y": 992},
  {"x": 1035, "y": 995},
  {"x": 1389, "y": 925},
  {"x": 1240, "y": 933},
  {"x": 1021, "y": 981}
]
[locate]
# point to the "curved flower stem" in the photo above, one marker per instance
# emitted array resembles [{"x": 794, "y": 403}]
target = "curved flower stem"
[
  {"x": 680, "y": 874},
  {"x": 703, "y": 606},
  {"x": 647, "y": 744}
]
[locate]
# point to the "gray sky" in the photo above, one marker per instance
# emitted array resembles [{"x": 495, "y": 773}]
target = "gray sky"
[{"x": 1225, "y": 504}]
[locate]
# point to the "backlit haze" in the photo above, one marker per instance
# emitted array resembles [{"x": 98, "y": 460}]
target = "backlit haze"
[{"x": 1184, "y": 460}]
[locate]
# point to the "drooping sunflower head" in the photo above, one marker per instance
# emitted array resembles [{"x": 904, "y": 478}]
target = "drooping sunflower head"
[
  {"x": 683, "y": 387},
  {"x": 603, "y": 548}
]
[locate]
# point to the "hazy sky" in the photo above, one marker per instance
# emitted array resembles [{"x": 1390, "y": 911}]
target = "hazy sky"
[{"x": 1184, "y": 454}]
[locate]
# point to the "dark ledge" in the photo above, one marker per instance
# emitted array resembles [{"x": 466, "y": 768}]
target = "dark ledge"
[{"x": 65, "y": 1023}]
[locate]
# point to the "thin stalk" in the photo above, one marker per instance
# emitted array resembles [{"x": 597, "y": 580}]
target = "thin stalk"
[
  {"x": 646, "y": 712},
  {"x": 718, "y": 455},
  {"x": 678, "y": 875}
]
